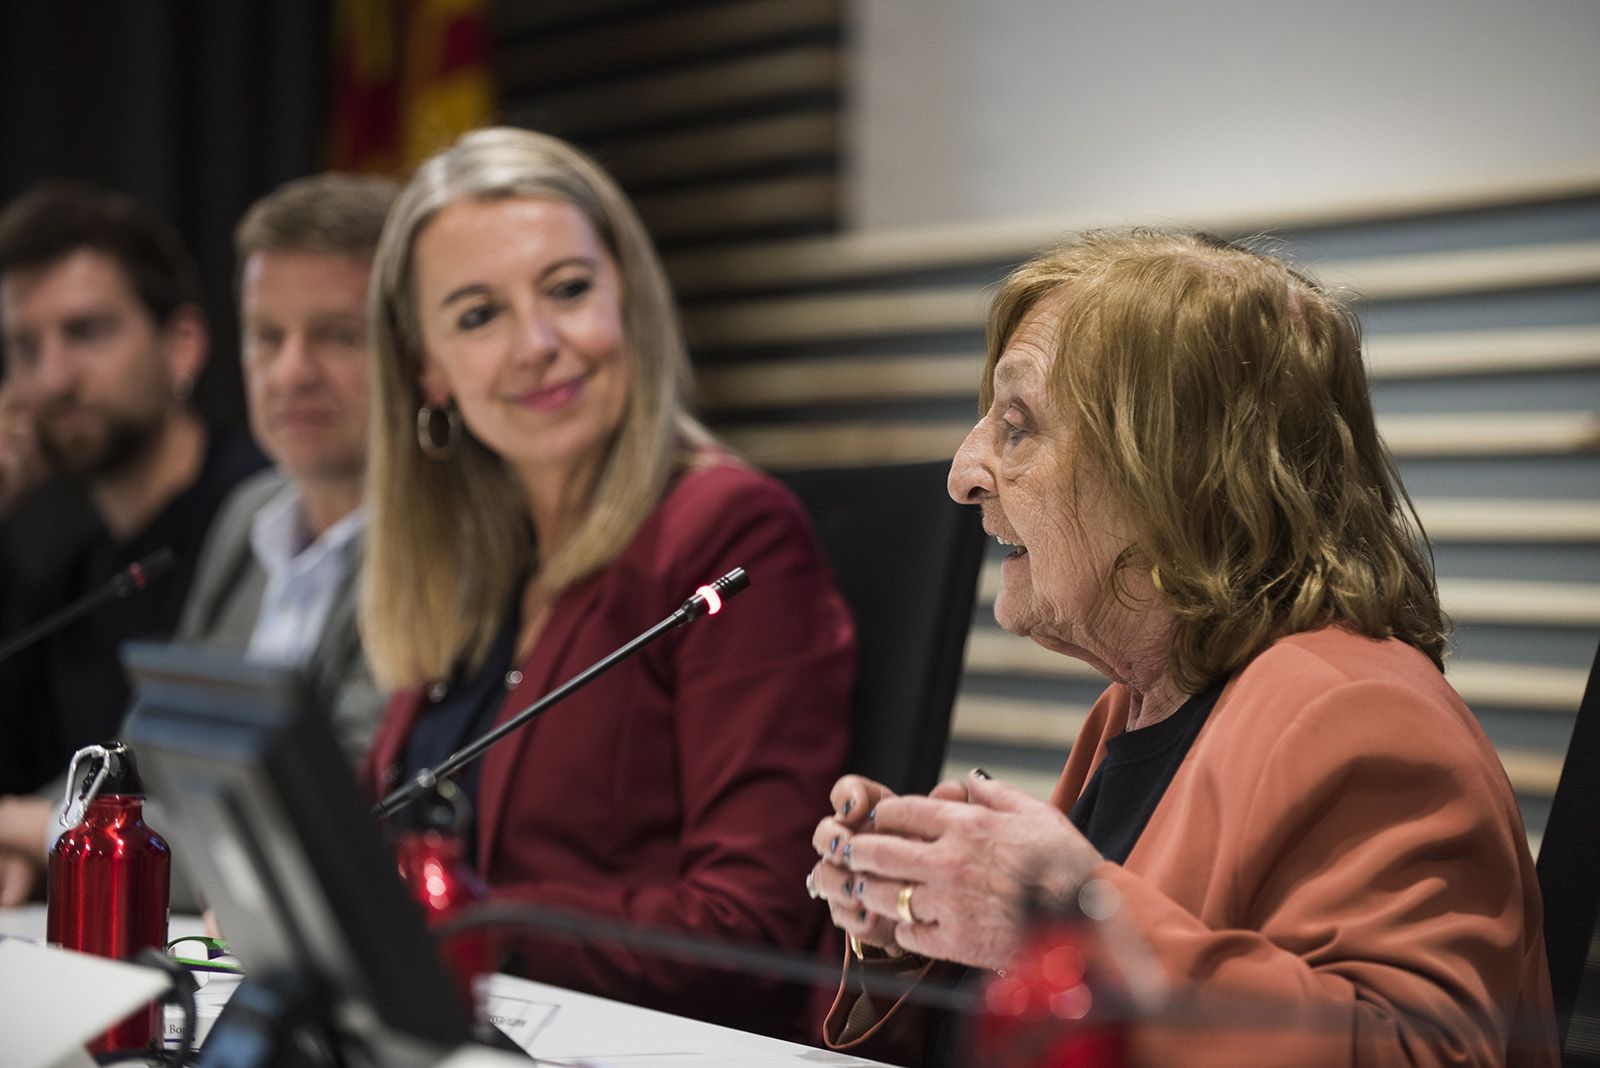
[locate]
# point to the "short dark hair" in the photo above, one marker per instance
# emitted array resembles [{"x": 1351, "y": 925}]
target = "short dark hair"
[
  {"x": 55, "y": 219},
  {"x": 341, "y": 214}
]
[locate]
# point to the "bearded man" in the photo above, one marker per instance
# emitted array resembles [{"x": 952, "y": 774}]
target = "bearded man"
[{"x": 103, "y": 339}]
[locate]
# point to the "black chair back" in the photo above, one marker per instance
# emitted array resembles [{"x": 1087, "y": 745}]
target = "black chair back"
[
  {"x": 1569, "y": 882},
  {"x": 906, "y": 558}
]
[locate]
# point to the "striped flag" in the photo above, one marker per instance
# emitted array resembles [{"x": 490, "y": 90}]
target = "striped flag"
[{"x": 409, "y": 76}]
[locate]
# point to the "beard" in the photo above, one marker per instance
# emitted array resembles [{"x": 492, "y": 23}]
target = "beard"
[{"x": 113, "y": 442}]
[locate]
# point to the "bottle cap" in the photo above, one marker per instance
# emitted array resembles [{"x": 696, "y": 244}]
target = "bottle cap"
[
  {"x": 106, "y": 770},
  {"x": 122, "y": 774}
]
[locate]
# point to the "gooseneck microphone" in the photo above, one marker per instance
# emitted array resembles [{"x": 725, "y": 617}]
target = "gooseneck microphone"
[
  {"x": 129, "y": 580},
  {"x": 706, "y": 601}
]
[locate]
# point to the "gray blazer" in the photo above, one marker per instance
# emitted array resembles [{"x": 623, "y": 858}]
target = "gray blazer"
[
  {"x": 226, "y": 599},
  {"x": 223, "y": 604}
]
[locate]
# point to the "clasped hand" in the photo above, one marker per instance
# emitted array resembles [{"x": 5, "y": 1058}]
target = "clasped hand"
[{"x": 970, "y": 851}]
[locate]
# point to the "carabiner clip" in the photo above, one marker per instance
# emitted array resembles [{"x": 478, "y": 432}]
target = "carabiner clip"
[{"x": 72, "y": 810}]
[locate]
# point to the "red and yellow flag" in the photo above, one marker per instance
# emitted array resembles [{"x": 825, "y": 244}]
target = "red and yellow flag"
[{"x": 409, "y": 76}]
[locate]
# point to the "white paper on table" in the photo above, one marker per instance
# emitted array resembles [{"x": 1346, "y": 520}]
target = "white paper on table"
[
  {"x": 76, "y": 1057},
  {"x": 209, "y": 1002},
  {"x": 53, "y": 1001},
  {"x": 519, "y": 1016},
  {"x": 589, "y": 1030}
]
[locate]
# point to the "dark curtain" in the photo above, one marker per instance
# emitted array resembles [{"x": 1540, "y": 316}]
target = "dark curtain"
[{"x": 195, "y": 106}]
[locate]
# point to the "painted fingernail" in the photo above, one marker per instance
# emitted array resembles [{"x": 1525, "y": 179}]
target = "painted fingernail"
[
  {"x": 847, "y": 853},
  {"x": 848, "y": 805},
  {"x": 872, "y": 817},
  {"x": 833, "y": 845},
  {"x": 848, "y": 885},
  {"x": 861, "y": 888},
  {"x": 979, "y": 773},
  {"x": 862, "y": 915}
]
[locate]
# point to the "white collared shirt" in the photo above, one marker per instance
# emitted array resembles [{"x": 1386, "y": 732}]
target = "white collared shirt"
[{"x": 303, "y": 576}]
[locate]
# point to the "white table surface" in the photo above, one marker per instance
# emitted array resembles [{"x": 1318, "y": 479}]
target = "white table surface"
[{"x": 578, "y": 1029}]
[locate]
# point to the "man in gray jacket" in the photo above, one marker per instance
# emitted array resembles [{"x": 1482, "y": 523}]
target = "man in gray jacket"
[{"x": 278, "y": 573}]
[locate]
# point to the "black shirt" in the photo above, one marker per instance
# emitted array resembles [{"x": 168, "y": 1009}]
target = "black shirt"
[
  {"x": 70, "y": 690},
  {"x": 461, "y": 712},
  {"x": 1139, "y": 765}
]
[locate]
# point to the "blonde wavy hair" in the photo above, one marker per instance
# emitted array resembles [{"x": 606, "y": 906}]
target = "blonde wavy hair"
[
  {"x": 1222, "y": 398},
  {"x": 449, "y": 541}
]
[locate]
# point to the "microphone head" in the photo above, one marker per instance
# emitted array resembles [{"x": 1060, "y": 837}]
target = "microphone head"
[
  {"x": 138, "y": 576},
  {"x": 157, "y": 562},
  {"x": 707, "y": 600},
  {"x": 733, "y": 582}
]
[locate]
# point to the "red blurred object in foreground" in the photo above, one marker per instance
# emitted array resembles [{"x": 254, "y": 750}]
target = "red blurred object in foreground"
[
  {"x": 109, "y": 876},
  {"x": 433, "y": 863},
  {"x": 1060, "y": 1003}
]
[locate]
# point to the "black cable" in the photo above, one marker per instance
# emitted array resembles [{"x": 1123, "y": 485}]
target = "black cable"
[
  {"x": 180, "y": 991},
  {"x": 749, "y": 959},
  {"x": 947, "y": 989}
]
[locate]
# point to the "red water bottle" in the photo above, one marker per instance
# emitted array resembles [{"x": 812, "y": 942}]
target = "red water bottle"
[
  {"x": 1063, "y": 1000},
  {"x": 109, "y": 877},
  {"x": 432, "y": 853}
]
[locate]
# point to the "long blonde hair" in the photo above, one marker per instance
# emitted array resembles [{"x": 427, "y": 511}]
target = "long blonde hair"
[
  {"x": 1222, "y": 398},
  {"x": 449, "y": 541}
]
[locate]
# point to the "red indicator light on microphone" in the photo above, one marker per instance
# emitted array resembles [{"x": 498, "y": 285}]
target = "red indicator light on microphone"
[{"x": 712, "y": 597}]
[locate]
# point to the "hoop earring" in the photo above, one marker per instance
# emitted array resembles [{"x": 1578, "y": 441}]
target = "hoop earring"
[{"x": 427, "y": 441}]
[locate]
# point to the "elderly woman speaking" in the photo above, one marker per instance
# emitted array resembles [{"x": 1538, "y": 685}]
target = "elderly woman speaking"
[{"x": 1291, "y": 802}]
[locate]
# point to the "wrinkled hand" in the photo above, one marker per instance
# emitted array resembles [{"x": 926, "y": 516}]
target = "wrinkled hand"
[
  {"x": 20, "y": 875},
  {"x": 22, "y": 465},
  {"x": 855, "y": 803},
  {"x": 971, "y": 864},
  {"x": 855, "y": 800}
]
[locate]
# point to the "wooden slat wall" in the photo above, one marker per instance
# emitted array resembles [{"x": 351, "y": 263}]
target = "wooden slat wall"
[
  {"x": 880, "y": 254},
  {"x": 721, "y": 118},
  {"x": 859, "y": 313}
]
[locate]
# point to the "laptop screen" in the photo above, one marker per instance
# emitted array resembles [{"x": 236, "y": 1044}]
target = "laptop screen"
[{"x": 264, "y": 813}]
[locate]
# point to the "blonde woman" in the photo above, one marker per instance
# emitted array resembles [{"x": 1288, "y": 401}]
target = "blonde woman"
[{"x": 540, "y": 494}]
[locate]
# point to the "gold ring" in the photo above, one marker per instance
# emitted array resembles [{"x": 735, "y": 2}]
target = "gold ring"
[{"x": 903, "y": 906}]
